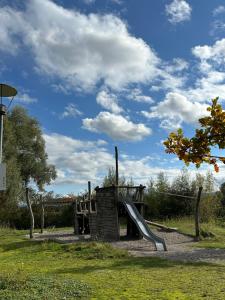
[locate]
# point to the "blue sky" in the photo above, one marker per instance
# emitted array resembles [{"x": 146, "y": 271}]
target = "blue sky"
[{"x": 100, "y": 73}]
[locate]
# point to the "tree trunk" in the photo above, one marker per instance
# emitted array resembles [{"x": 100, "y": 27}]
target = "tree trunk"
[
  {"x": 30, "y": 212},
  {"x": 42, "y": 214},
  {"x": 197, "y": 214}
]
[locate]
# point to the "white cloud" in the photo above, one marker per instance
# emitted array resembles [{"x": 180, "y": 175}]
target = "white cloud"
[
  {"x": 89, "y": 1},
  {"x": 108, "y": 101},
  {"x": 178, "y": 11},
  {"x": 207, "y": 87},
  {"x": 171, "y": 76},
  {"x": 12, "y": 24},
  {"x": 137, "y": 95},
  {"x": 176, "y": 109},
  {"x": 177, "y": 65},
  {"x": 117, "y": 127},
  {"x": 71, "y": 111},
  {"x": 25, "y": 98},
  {"x": 215, "y": 53},
  {"x": 93, "y": 1},
  {"x": 211, "y": 82},
  {"x": 219, "y": 10},
  {"x": 75, "y": 47},
  {"x": 218, "y": 27},
  {"x": 117, "y": 1},
  {"x": 78, "y": 161}
]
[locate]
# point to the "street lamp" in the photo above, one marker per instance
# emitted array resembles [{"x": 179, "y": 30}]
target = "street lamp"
[{"x": 9, "y": 92}]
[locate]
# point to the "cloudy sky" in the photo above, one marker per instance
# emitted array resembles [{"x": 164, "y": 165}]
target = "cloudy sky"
[{"x": 100, "y": 73}]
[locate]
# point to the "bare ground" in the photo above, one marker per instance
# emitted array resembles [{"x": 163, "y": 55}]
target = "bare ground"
[{"x": 180, "y": 247}]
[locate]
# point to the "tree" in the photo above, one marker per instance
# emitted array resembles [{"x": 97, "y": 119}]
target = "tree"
[
  {"x": 30, "y": 152},
  {"x": 162, "y": 187},
  {"x": 162, "y": 184},
  {"x": 182, "y": 185},
  {"x": 222, "y": 190},
  {"x": 110, "y": 178},
  {"x": 198, "y": 148},
  {"x": 10, "y": 198}
]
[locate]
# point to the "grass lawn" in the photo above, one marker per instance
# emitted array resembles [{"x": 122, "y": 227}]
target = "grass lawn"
[
  {"x": 214, "y": 230},
  {"x": 46, "y": 270}
]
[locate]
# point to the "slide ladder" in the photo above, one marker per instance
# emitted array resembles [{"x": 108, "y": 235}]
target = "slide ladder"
[{"x": 141, "y": 224}]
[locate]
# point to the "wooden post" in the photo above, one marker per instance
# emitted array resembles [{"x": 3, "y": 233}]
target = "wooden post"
[
  {"x": 117, "y": 168},
  {"x": 75, "y": 219},
  {"x": 42, "y": 214},
  {"x": 197, "y": 214},
  {"x": 31, "y": 213},
  {"x": 141, "y": 199},
  {"x": 141, "y": 192},
  {"x": 117, "y": 186},
  {"x": 89, "y": 197},
  {"x": 89, "y": 190}
]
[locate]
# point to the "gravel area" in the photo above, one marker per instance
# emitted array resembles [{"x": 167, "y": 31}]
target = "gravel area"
[
  {"x": 62, "y": 237},
  {"x": 180, "y": 247}
]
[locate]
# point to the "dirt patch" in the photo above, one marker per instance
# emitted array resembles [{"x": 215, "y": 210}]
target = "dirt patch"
[
  {"x": 62, "y": 237},
  {"x": 174, "y": 242},
  {"x": 180, "y": 247}
]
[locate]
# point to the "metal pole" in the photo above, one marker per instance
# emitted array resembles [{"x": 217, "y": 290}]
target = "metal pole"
[
  {"x": 1, "y": 128},
  {"x": 1, "y": 133}
]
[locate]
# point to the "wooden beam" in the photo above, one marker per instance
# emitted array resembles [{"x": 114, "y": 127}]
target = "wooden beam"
[{"x": 161, "y": 226}]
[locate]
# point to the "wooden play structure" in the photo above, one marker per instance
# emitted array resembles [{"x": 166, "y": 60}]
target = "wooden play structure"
[{"x": 98, "y": 214}]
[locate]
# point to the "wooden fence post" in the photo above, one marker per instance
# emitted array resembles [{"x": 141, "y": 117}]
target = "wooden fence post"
[
  {"x": 31, "y": 213},
  {"x": 197, "y": 214},
  {"x": 42, "y": 214},
  {"x": 75, "y": 218}
]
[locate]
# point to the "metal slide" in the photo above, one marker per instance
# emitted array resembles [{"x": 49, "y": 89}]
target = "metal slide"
[{"x": 141, "y": 224}]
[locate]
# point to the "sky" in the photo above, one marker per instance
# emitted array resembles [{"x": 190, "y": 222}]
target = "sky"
[{"x": 104, "y": 73}]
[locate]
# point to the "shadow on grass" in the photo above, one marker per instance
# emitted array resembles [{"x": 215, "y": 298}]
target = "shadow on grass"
[
  {"x": 134, "y": 263},
  {"x": 26, "y": 244}
]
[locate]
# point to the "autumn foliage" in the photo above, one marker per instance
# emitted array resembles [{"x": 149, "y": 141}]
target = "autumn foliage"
[{"x": 198, "y": 148}]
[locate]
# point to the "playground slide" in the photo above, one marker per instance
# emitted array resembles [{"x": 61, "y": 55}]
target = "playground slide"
[{"x": 142, "y": 226}]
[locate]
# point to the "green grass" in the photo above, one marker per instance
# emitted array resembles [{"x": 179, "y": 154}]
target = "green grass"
[
  {"x": 47, "y": 270},
  {"x": 213, "y": 233}
]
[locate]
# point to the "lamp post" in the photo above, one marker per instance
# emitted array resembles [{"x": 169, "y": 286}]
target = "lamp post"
[{"x": 9, "y": 92}]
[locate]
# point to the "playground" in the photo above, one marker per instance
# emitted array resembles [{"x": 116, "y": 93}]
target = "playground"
[
  {"x": 96, "y": 270},
  {"x": 116, "y": 214},
  {"x": 180, "y": 247}
]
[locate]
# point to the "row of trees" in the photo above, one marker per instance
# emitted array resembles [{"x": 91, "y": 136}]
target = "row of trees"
[
  {"x": 164, "y": 205},
  {"x": 26, "y": 159},
  {"x": 161, "y": 204}
]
